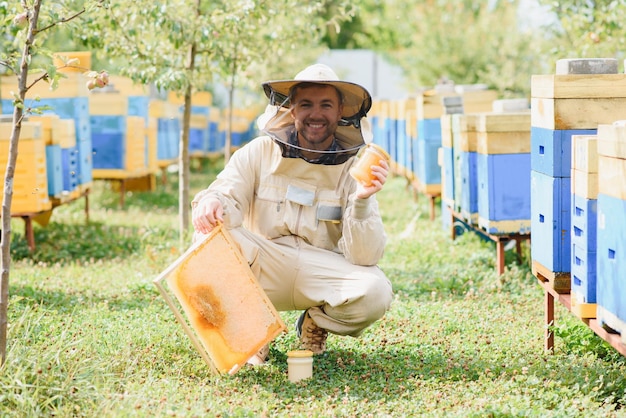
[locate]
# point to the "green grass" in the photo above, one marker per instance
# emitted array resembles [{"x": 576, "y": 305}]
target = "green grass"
[{"x": 90, "y": 335}]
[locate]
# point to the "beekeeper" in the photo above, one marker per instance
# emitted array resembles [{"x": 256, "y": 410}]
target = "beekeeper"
[{"x": 312, "y": 235}]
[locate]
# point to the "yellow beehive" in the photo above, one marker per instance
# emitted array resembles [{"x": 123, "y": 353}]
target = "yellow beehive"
[
  {"x": 163, "y": 109},
  {"x": 215, "y": 114},
  {"x": 199, "y": 98},
  {"x": 108, "y": 103},
  {"x": 135, "y": 144},
  {"x": 30, "y": 182},
  {"x": 478, "y": 100},
  {"x": 584, "y": 177},
  {"x": 198, "y": 121},
  {"x": 70, "y": 85},
  {"x": 375, "y": 109},
  {"x": 503, "y": 133},
  {"x": 383, "y": 112},
  {"x": 430, "y": 104},
  {"x": 612, "y": 140},
  {"x": 465, "y": 132},
  {"x": 585, "y": 153},
  {"x": 64, "y": 133},
  {"x": 47, "y": 124},
  {"x": 127, "y": 87},
  {"x": 28, "y": 130},
  {"x": 612, "y": 159},
  {"x": 577, "y": 101},
  {"x": 446, "y": 131},
  {"x": 612, "y": 176},
  {"x": 81, "y": 65},
  {"x": 151, "y": 132}
]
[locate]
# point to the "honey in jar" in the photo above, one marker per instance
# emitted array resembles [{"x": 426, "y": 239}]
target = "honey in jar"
[{"x": 368, "y": 156}]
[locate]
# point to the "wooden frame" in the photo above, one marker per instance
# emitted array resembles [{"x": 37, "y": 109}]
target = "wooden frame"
[{"x": 220, "y": 304}]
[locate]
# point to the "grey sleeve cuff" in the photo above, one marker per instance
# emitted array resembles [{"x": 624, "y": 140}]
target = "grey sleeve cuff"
[{"x": 361, "y": 208}]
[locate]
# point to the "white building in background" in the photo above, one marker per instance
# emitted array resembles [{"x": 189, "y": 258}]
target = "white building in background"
[{"x": 383, "y": 80}]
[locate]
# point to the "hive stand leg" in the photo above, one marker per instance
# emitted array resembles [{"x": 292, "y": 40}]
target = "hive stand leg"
[
  {"x": 432, "y": 207},
  {"x": 453, "y": 231},
  {"x": 549, "y": 321},
  {"x": 122, "y": 193},
  {"x": 87, "y": 207},
  {"x": 29, "y": 233},
  {"x": 499, "y": 256}
]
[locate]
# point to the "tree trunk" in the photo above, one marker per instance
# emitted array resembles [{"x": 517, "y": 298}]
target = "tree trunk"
[
  {"x": 5, "y": 244},
  {"x": 229, "y": 125},
  {"x": 183, "y": 163},
  {"x": 231, "y": 97}
]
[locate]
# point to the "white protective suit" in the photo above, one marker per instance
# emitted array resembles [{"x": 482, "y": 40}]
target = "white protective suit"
[{"x": 309, "y": 241}]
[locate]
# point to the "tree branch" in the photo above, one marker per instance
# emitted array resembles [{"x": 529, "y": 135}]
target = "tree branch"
[
  {"x": 6, "y": 64},
  {"x": 63, "y": 20}
]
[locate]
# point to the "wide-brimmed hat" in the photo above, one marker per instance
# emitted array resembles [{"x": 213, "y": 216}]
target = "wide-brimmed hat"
[
  {"x": 356, "y": 99},
  {"x": 353, "y": 130}
]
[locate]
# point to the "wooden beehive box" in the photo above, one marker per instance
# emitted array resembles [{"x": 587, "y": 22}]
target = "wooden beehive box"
[
  {"x": 30, "y": 183},
  {"x": 502, "y": 167},
  {"x": 577, "y": 101}
]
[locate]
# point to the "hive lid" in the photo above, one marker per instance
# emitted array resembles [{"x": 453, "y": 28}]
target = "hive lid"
[{"x": 227, "y": 315}]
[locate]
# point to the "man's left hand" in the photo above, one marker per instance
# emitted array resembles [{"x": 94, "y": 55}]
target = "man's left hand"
[{"x": 380, "y": 173}]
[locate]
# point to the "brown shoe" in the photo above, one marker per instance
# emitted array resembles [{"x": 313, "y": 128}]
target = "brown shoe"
[
  {"x": 260, "y": 357},
  {"x": 311, "y": 336}
]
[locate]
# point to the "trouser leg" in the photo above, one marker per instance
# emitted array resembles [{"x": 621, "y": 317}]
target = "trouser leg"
[{"x": 341, "y": 297}]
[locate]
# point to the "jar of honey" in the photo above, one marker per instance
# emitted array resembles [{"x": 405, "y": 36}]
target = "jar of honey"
[
  {"x": 368, "y": 156},
  {"x": 299, "y": 365}
]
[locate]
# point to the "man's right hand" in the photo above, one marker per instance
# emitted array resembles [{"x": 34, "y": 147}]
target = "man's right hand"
[{"x": 207, "y": 214}]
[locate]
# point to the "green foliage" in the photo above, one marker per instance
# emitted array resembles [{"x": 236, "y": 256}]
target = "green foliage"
[
  {"x": 580, "y": 340},
  {"x": 588, "y": 28},
  {"x": 80, "y": 243},
  {"x": 468, "y": 43}
]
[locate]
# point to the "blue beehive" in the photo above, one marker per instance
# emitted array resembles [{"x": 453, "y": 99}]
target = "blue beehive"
[
  {"x": 611, "y": 257},
  {"x": 167, "y": 118},
  {"x": 69, "y": 160},
  {"x": 584, "y": 222},
  {"x": 502, "y": 172},
  {"x": 503, "y": 186},
  {"x": 376, "y": 120},
  {"x": 550, "y": 222},
  {"x": 76, "y": 108},
  {"x": 167, "y": 138},
  {"x": 551, "y": 150},
  {"x": 54, "y": 169},
  {"x": 392, "y": 132},
  {"x": 64, "y": 134},
  {"x": 108, "y": 133},
  {"x": 6, "y": 106},
  {"x": 199, "y": 133},
  {"x": 466, "y": 158},
  {"x": 427, "y": 166},
  {"x": 214, "y": 130},
  {"x": 425, "y": 151},
  {"x": 447, "y": 191},
  {"x": 403, "y": 156},
  {"x": 447, "y": 155},
  {"x": 583, "y": 274},
  {"x": 469, "y": 183},
  {"x": 584, "y": 216},
  {"x": 138, "y": 106},
  {"x": 239, "y": 134}
]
